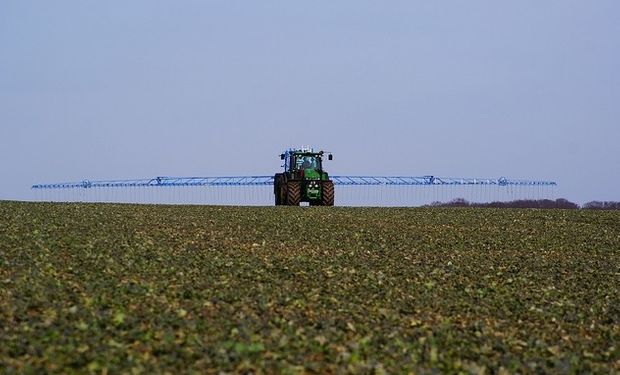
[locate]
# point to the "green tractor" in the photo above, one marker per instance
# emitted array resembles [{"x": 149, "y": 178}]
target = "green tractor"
[{"x": 303, "y": 180}]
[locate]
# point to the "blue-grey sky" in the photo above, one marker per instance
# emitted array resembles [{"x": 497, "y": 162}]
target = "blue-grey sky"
[{"x": 128, "y": 89}]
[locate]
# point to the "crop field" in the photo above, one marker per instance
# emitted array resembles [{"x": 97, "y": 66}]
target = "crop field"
[{"x": 109, "y": 288}]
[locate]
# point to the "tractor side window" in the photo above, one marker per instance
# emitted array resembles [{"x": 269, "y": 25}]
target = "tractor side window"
[{"x": 292, "y": 163}]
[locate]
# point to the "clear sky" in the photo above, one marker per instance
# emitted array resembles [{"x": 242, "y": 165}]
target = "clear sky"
[{"x": 132, "y": 89}]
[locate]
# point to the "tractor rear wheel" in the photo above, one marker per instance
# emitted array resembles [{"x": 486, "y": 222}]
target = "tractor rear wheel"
[
  {"x": 327, "y": 194},
  {"x": 279, "y": 191},
  {"x": 293, "y": 193}
]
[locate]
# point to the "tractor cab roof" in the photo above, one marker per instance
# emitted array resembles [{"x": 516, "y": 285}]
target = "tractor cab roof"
[
  {"x": 307, "y": 153},
  {"x": 303, "y": 151},
  {"x": 292, "y": 153}
]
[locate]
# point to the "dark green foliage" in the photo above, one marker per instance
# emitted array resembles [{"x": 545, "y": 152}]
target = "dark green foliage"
[
  {"x": 127, "y": 288},
  {"x": 521, "y": 203},
  {"x": 598, "y": 205}
]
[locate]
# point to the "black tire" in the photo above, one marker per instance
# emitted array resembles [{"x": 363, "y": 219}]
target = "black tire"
[
  {"x": 327, "y": 193},
  {"x": 277, "y": 194},
  {"x": 293, "y": 193},
  {"x": 279, "y": 189}
]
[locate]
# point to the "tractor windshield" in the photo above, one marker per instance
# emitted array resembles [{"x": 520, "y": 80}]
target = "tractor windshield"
[{"x": 308, "y": 162}]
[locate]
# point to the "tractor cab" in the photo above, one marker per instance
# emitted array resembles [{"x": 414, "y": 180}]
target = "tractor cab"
[{"x": 303, "y": 159}]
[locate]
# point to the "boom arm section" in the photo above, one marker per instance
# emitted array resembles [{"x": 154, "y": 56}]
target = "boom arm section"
[{"x": 269, "y": 180}]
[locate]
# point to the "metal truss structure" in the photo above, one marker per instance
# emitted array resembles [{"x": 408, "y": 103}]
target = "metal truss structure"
[{"x": 268, "y": 180}]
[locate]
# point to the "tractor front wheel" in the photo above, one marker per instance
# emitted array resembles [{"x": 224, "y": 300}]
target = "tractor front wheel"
[
  {"x": 327, "y": 194},
  {"x": 293, "y": 193}
]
